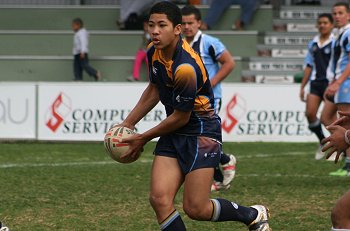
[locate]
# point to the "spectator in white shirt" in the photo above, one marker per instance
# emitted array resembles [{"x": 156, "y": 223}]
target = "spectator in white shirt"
[{"x": 80, "y": 52}]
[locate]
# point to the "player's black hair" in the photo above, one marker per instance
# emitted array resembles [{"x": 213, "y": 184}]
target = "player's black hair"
[
  {"x": 171, "y": 10},
  {"x": 190, "y": 9},
  {"x": 326, "y": 15},
  {"x": 345, "y": 4},
  {"x": 78, "y": 21}
]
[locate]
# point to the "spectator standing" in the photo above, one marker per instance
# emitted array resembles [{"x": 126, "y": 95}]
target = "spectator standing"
[{"x": 81, "y": 50}]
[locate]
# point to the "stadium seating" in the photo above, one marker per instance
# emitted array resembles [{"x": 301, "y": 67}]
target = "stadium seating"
[{"x": 36, "y": 42}]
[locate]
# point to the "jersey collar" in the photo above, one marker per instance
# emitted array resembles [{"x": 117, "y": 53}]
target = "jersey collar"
[
  {"x": 339, "y": 31},
  {"x": 196, "y": 37}
]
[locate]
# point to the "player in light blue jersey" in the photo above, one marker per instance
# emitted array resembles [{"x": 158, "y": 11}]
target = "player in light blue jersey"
[
  {"x": 317, "y": 74},
  {"x": 339, "y": 89},
  {"x": 219, "y": 64}
]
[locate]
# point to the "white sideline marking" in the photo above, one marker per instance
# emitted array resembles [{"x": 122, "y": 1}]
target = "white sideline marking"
[{"x": 82, "y": 163}]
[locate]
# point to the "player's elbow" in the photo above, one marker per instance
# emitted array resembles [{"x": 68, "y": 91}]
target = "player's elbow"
[{"x": 182, "y": 118}]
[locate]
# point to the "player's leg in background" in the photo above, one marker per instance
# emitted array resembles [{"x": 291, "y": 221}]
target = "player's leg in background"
[
  {"x": 312, "y": 104},
  {"x": 222, "y": 179},
  {"x": 341, "y": 213},
  {"x": 328, "y": 116},
  {"x": 166, "y": 180},
  {"x": 78, "y": 70},
  {"x": 89, "y": 69}
]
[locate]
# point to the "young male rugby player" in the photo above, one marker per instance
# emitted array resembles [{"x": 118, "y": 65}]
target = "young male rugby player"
[
  {"x": 339, "y": 89},
  {"x": 317, "y": 73},
  {"x": 219, "y": 63},
  {"x": 189, "y": 146}
]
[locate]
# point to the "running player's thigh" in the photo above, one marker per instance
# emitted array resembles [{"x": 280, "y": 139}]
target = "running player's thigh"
[
  {"x": 166, "y": 177},
  {"x": 313, "y": 102},
  {"x": 197, "y": 186},
  {"x": 329, "y": 113}
]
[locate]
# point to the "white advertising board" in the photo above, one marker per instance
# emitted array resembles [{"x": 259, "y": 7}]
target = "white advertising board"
[
  {"x": 263, "y": 113},
  {"x": 17, "y": 111},
  {"x": 249, "y": 112},
  {"x": 69, "y": 111}
]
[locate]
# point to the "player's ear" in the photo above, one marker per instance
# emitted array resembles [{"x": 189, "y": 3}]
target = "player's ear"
[{"x": 177, "y": 29}]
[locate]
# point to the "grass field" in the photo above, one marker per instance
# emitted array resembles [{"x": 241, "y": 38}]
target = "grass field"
[{"x": 50, "y": 186}]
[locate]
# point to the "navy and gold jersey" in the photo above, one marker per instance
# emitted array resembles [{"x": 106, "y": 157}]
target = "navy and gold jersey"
[{"x": 184, "y": 85}]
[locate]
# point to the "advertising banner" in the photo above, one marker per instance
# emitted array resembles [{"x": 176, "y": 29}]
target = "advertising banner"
[
  {"x": 17, "y": 111},
  {"x": 249, "y": 112},
  {"x": 71, "y": 112},
  {"x": 263, "y": 113}
]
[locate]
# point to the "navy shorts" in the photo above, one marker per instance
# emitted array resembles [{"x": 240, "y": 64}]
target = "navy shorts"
[
  {"x": 318, "y": 88},
  {"x": 191, "y": 152}
]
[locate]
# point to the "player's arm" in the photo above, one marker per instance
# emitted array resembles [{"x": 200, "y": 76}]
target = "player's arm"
[
  {"x": 227, "y": 65},
  {"x": 147, "y": 101},
  {"x": 305, "y": 80},
  {"x": 333, "y": 88},
  {"x": 183, "y": 102}
]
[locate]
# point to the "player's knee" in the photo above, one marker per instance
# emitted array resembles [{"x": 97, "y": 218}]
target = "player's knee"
[
  {"x": 195, "y": 211},
  {"x": 337, "y": 217},
  {"x": 159, "y": 201},
  {"x": 311, "y": 116}
]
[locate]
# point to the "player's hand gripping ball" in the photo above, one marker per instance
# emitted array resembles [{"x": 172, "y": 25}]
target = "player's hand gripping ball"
[{"x": 113, "y": 145}]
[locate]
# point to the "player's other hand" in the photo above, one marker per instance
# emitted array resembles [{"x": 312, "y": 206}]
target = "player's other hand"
[
  {"x": 136, "y": 143},
  {"x": 331, "y": 90},
  {"x": 343, "y": 121},
  {"x": 124, "y": 124},
  {"x": 302, "y": 95},
  {"x": 335, "y": 142}
]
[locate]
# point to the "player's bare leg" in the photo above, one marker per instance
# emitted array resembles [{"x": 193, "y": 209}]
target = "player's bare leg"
[
  {"x": 329, "y": 113},
  {"x": 313, "y": 102},
  {"x": 166, "y": 180},
  {"x": 341, "y": 213},
  {"x": 198, "y": 206}
]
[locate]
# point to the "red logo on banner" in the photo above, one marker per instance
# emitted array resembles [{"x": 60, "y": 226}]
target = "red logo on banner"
[
  {"x": 235, "y": 109},
  {"x": 58, "y": 111}
]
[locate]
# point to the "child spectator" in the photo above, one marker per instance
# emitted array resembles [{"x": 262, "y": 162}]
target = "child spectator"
[
  {"x": 80, "y": 52},
  {"x": 141, "y": 54}
]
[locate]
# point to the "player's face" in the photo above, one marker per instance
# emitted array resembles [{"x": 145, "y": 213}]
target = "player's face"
[
  {"x": 75, "y": 26},
  {"x": 324, "y": 26},
  {"x": 162, "y": 31},
  {"x": 190, "y": 25},
  {"x": 340, "y": 16}
]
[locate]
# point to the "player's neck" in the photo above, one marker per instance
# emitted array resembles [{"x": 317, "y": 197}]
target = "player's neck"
[
  {"x": 324, "y": 37},
  {"x": 168, "y": 52},
  {"x": 189, "y": 39}
]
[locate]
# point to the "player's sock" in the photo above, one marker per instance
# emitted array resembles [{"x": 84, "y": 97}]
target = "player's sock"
[
  {"x": 334, "y": 229},
  {"x": 218, "y": 176},
  {"x": 173, "y": 223},
  {"x": 224, "y": 159},
  {"x": 347, "y": 164},
  {"x": 225, "y": 210},
  {"x": 316, "y": 128}
]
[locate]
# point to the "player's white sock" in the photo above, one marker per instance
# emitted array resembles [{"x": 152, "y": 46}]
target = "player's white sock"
[{"x": 333, "y": 229}]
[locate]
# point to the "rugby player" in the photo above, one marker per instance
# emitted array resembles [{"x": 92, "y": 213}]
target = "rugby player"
[{"x": 189, "y": 147}]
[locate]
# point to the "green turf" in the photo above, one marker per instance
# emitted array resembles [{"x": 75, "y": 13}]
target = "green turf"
[{"x": 77, "y": 187}]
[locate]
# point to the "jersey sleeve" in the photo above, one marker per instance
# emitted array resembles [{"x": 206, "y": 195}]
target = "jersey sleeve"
[
  {"x": 185, "y": 87},
  {"x": 346, "y": 42},
  {"x": 216, "y": 48},
  {"x": 309, "y": 59}
]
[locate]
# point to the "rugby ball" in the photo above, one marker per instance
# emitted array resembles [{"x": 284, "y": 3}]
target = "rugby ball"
[{"x": 114, "y": 147}]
